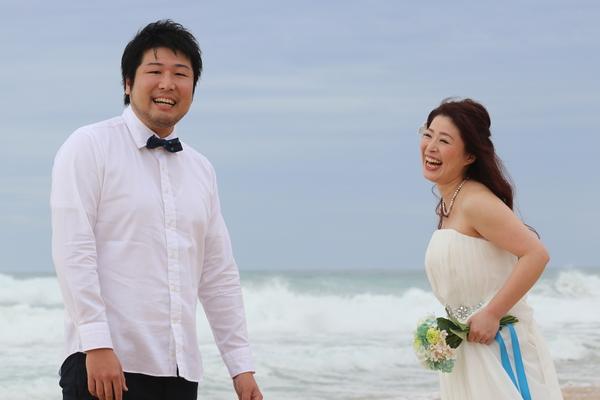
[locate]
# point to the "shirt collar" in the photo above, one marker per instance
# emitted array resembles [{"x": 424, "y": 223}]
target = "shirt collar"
[{"x": 139, "y": 132}]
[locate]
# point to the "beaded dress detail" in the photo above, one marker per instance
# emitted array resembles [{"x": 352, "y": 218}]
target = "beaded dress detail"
[{"x": 465, "y": 273}]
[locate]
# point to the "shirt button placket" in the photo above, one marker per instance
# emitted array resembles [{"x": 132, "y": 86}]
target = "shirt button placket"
[{"x": 173, "y": 273}]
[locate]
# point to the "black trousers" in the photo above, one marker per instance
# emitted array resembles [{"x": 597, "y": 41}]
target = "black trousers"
[{"x": 73, "y": 381}]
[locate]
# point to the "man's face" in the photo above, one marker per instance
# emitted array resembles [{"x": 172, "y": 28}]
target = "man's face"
[{"x": 162, "y": 90}]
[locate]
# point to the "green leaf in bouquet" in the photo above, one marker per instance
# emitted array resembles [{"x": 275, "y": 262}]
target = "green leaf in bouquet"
[
  {"x": 460, "y": 333},
  {"x": 453, "y": 329},
  {"x": 445, "y": 324},
  {"x": 507, "y": 320},
  {"x": 453, "y": 340},
  {"x": 460, "y": 325}
]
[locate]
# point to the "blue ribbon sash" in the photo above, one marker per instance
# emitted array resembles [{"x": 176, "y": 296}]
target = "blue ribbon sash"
[{"x": 521, "y": 380}]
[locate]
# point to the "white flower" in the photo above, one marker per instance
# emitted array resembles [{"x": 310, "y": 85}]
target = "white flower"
[{"x": 440, "y": 352}]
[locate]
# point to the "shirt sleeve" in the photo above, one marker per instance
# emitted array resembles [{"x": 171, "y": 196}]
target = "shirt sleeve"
[
  {"x": 76, "y": 184},
  {"x": 221, "y": 295}
]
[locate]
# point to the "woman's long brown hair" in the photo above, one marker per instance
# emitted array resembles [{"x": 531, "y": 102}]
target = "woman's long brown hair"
[{"x": 473, "y": 123}]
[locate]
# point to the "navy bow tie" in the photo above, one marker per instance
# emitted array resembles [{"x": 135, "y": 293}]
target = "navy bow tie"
[{"x": 171, "y": 145}]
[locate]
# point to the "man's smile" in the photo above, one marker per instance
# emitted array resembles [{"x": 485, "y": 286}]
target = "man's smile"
[{"x": 164, "y": 100}]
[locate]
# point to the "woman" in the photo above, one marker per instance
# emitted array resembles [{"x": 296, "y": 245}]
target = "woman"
[{"x": 482, "y": 260}]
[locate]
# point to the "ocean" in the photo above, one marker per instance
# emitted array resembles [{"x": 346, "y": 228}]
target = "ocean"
[{"x": 315, "y": 335}]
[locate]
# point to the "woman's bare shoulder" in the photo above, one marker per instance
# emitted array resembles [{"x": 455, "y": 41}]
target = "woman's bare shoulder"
[{"x": 476, "y": 195}]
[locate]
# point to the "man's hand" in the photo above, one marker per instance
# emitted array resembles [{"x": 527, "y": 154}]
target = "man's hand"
[
  {"x": 246, "y": 388},
  {"x": 106, "y": 380}
]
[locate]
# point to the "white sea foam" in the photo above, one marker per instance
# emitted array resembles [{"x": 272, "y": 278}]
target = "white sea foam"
[
  {"x": 277, "y": 308},
  {"x": 331, "y": 343},
  {"x": 34, "y": 291}
]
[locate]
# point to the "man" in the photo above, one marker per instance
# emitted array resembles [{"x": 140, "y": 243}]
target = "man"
[{"x": 138, "y": 237}]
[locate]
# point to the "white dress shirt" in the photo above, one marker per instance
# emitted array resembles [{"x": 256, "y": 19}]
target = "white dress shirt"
[{"x": 137, "y": 239}]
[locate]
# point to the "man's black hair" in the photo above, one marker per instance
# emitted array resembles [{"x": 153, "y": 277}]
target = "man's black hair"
[{"x": 163, "y": 33}]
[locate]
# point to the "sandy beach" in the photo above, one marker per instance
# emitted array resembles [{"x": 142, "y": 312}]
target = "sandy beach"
[{"x": 581, "y": 393}]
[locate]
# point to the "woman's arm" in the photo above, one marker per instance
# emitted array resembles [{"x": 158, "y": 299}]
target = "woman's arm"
[{"x": 497, "y": 223}]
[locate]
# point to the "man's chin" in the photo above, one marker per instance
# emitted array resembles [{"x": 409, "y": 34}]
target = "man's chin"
[{"x": 165, "y": 123}]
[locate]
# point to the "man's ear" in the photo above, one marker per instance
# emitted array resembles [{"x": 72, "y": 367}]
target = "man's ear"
[{"x": 128, "y": 87}]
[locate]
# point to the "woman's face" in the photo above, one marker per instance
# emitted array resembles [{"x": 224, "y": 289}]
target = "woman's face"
[{"x": 443, "y": 151}]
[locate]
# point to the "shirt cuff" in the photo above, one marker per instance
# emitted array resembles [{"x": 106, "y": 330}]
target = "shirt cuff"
[
  {"x": 238, "y": 361},
  {"x": 95, "y": 335}
]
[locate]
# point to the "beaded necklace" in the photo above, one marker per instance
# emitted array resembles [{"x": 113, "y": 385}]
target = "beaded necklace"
[{"x": 445, "y": 211}]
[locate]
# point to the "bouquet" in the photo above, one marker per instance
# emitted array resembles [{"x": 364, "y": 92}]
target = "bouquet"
[{"x": 436, "y": 340}]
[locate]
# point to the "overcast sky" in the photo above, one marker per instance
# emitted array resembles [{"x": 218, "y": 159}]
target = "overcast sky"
[{"x": 309, "y": 112}]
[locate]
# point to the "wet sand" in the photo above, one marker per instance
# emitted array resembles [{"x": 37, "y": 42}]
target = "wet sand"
[{"x": 581, "y": 393}]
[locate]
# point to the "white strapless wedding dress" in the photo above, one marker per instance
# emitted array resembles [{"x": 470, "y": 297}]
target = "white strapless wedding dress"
[{"x": 466, "y": 272}]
